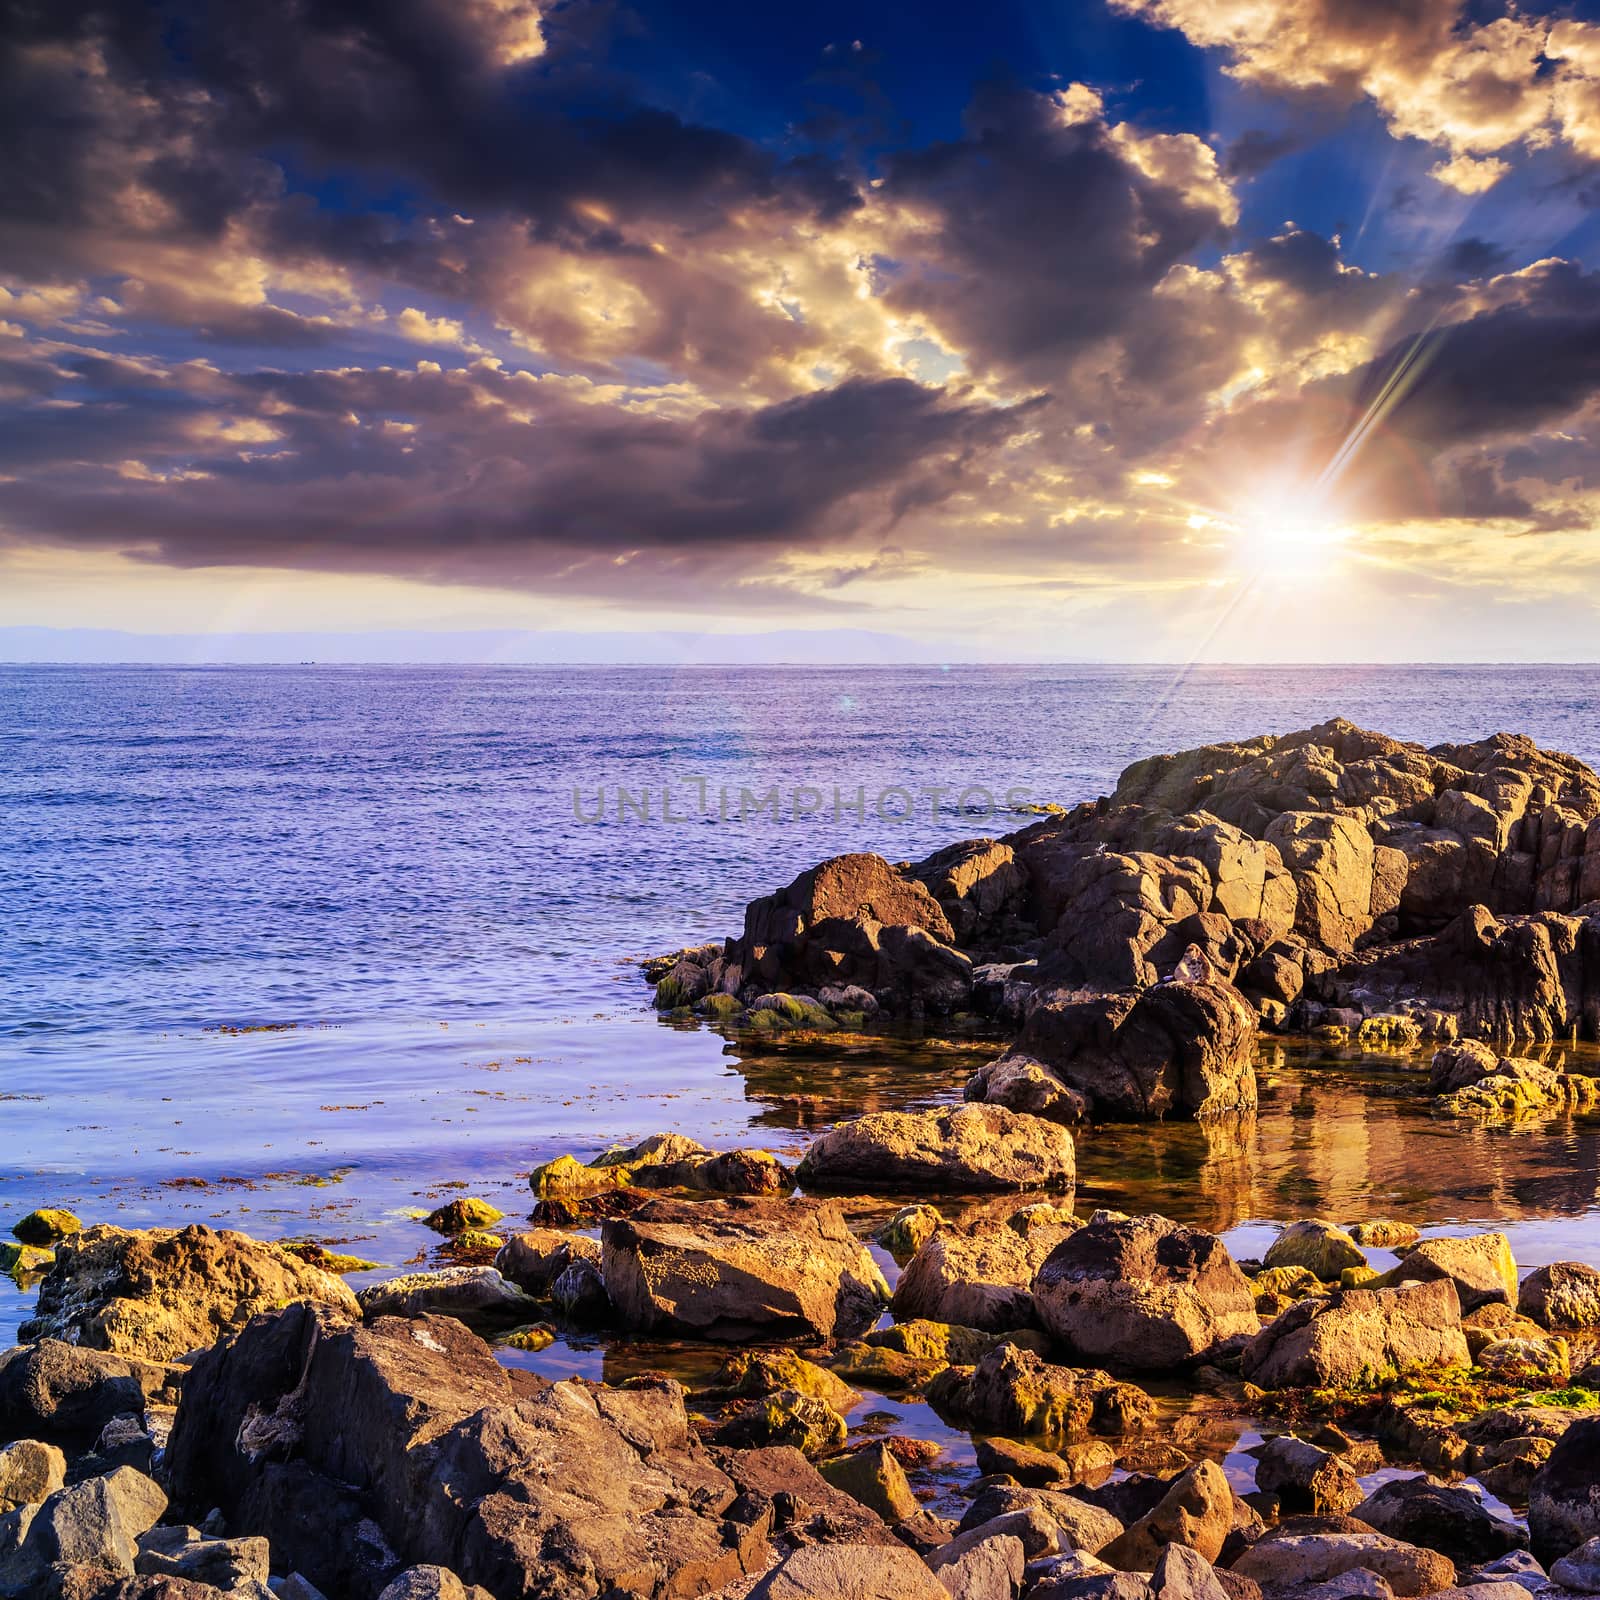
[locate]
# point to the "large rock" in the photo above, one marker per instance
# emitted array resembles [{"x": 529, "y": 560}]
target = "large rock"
[
  {"x": 1306, "y": 1479},
  {"x": 1564, "y": 1295},
  {"x": 160, "y": 1292},
  {"x": 740, "y": 1269},
  {"x": 1358, "y": 1333},
  {"x": 97, "y": 1523},
  {"x": 976, "y": 1148},
  {"x": 1331, "y": 859},
  {"x": 1564, "y": 1500},
  {"x": 1290, "y": 1561},
  {"x": 564, "y": 1490},
  {"x": 1442, "y": 1517},
  {"x": 981, "y": 887},
  {"x": 1143, "y": 1293},
  {"x": 1480, "y": 1267},
  {"x": 1019, "y": 1083},
  {"x": 1321, "y": 1248},
  {"x": 1016, "y": 1392},
  {"x": 1197, "y": 1512},
  {"x": 1178, "y": 1049},
  {"x": 981, "y": 1279},
  {"x": 849, "y": 1572},
  {"x": 60, "y": 1392},
  {"x": 467, "y": 1292}
]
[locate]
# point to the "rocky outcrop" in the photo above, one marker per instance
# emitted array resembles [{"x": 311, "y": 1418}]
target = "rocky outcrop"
[
  {"x": 161, "y": 1292},
  {"x": 972, "y": 1148},
  {"x": 1329, "y": 868},
  {"x": 1143, "y": 1293},
  {"x": 1178, "y": 1049},
  {"x": 741, "y": 1269},
  {"x": 1356, "y": 1334}
]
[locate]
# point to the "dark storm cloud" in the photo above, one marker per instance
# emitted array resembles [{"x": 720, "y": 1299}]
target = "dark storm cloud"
[
  {"x": 481, "y": 475},
  {"x": 1046, "y": 235},
  {"x": 1256, "y": 149}
]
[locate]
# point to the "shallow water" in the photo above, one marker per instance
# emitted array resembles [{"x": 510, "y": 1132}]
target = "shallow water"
[{"x": 294, "y": 950}]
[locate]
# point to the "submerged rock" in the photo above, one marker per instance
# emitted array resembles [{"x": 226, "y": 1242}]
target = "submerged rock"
[
  {"x": 463, "y": 1216},
  {"x": 45, "y": 1227},
  {"x": 161, "y": 1292},
  {"x": 741, "y": 1269},
  {"x": 1143, "y": 1293},
  {"x": 972, "y": 1148}
]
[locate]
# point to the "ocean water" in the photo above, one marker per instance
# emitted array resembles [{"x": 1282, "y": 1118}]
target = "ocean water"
[{"x": 297, "y": 948}]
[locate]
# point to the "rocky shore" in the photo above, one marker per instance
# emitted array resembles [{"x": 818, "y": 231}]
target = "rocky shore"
[{"x": 194, "y": 1413}]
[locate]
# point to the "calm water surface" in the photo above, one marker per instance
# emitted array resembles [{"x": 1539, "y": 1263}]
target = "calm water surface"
[{"x": 293, "y": 949}]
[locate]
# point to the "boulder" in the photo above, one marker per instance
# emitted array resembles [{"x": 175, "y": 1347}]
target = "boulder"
[
  {"x": 741, "y": 1268},
  {"x": 758, "y": 1372},
  {"x": 1019, "y": 1083},
  {"x": 1306, "y": 1479},
  {"x": 807, "y": 1508},
  {"x": 30, "y": 1472},
  {"x": 981, "y": 1279},
  {"x": 973, "y": 1148},
  {"x": 1014, "y": 1391},
  {"x": 1197, "y": 1512},
  {"x": 875, "y": 1477},
  {"x": 466, "y": 1292},
  {"x": 990, "y": 1569},
  {"x": 1049, "y": 1520},
  {"x": 1579, "y": 1569},
  {"x": 1357, "y": 1333},
  {"x": 1321, "y": 1248},
  {"x": 1564, "y": 1295},
  {"x": 67, "y": 1394},
  {"x": 1332, "y": 861},
  {"x": 161, "y": 1292},
  {"x": 1289, "y": 1561},
  {"x": 784, "y": 1417},
  {"x": 981, "y": 887},
  {"x": 534, "y": 1259},
  {"x": 1177, "y": 1049},
  {"x": 1480, "y": 1267},
  {"x": 431, "y": 1583},
  {"x": 185, "y": 1552},
  {"x": 909, "y": 1229},
  {"x": 46, "y": 1227},
  {"x": 521, "y": 1487},
  {"x": 849, "y": 1572},
  {"x": 97, "y": 1523},
  {"x": 1143, "y": 1293},
  {"x": 1564, "y": 1499},
  {"x": 1445, "y": 1517}
]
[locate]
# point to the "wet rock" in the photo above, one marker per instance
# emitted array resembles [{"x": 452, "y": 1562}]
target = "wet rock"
[
  {"x": 741, "y": 1269},
  {"x": 432, "y": 1583},
  {"x": 1197, "y": 1511},
  {"x": 67, "y": 1394},
  {"x": 1321, "y": 1248},
  {"x": 1014, "y": 1391},
  {"x": 45, "y": 1227},
  {"x": 1035, "y": 1468},
  {"x": 784, "y": 1417},
  {"x": 159, "y": 1292},
  {"x": 1383, "y": 1234},
  {"x": 875, "y": 1478},
  {"x": 1178, "y": 1049},
  {"x": 1143, "y": 1293},
  {"x": 1566, "y": 1294},
  {"x": 30, "y": 1472},
  {"x": 1480, "y": 1267},
  {"x": 567, "y": 1178},
  {"x": 1564, "y": 1499},
  {"x": 969, "y": 1148},
  {"x": 1306, "y": 1479},
  {"x": 184, "y": 1552},
  {"x": 759, "y": 1372},
  {"x": 1288, "y": 1561},
  {"x": 909, "y": 1229},
  {"x": 981, "y": 1279},
  {"x": 1441, "y": 1516},
  {"x": 467, "y": 1292},
  {"x": 1334, "y": 1342},
  {"x": 462, "y": 1216},
  {"x": 849, "y": 1572},
  {"x": 533, "y": 1260},
  {"x": 1021, "y": 1084}
]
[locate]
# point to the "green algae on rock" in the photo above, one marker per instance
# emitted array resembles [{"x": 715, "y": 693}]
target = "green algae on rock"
[{"x": 46, "y": 1226}]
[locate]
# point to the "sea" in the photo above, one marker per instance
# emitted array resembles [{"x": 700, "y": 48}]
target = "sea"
[{"x": 303, "y": 950}]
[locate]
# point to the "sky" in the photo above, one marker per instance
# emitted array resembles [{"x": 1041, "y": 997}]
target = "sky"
[{"x": 1123, "y": 329}]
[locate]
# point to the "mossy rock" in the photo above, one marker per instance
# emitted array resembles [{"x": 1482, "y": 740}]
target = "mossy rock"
[
  {"x": 872, "y": 1367},
  {"x": 1358, "y": 1277},
  {"x": 760, "y": 1372},
  {"x": 909, "y": 1229},
  {"x": 1381, "y": 1233},
  {"x": 316, "y": 1255},
  {"x": 720, "y": 1007},
  {"x": 794, "y": 1011},
  {"x": 672, "y": 994},
  {"x": 24, "y": 1260},
  {"x": 944, "y": 1342},
  {"x": 463, "y": 1216},
  {"x": 874, "y": 1477},
  {"x": 567, "y": 1175},
  {"x": 46, "y": 1226},
  {"x": 539, "y": 1337},
  {"x": 788, "y": 1417},
  {"x": 474, "y": 1248}
]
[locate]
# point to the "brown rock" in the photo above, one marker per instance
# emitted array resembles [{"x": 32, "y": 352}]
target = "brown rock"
[
  {"x": 1197, "y": 1512},
  {"x": 976, "y": 1280}
]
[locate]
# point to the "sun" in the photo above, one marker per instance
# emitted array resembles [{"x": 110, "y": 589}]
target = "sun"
[{"x": 1287, "y": 536}]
